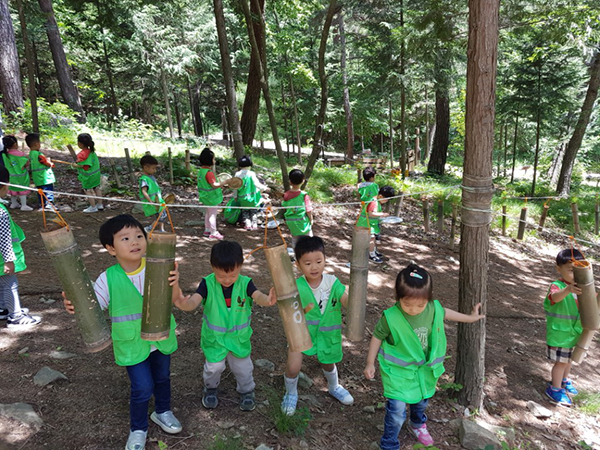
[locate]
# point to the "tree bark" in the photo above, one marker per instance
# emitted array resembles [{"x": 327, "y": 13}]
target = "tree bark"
[
  {"x": 441, "y": 139},
  {"x": 512, "y": 174},
  {"x": 238, "y": 145},
  {"x": 165, "y": 89},
  {"x": 177, "y": 114},
  {"x": 63, "y": 71},
  {"x": 347, "y": 107},
  {"x": 482, "y": 51},
  {"x": 564, "y": 181},
  {"x": 537, "y": 132},
  {"x": 391, "y": 130},
  {"x": 114, "y": 110},
  {"x": 30, "y": 69},
  {"x": 402, "y": 98},
  {"x": 10, "y": 73}
]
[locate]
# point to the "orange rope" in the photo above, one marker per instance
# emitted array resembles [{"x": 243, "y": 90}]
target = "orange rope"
[
  {"x": 576, "y": 262},
  {"x": 269, "y": 211},
  {"x": 61, "y": 221},
  {"x": 164, "y": 207}
]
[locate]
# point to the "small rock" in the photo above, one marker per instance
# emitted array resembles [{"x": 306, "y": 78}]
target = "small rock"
[
  {"x": 503, "y": 433},
  {"x": 24, "y": 413},
  {"x": 467, "y": 413},
  {"x": 194, "y": 223},
  {"x": 49, "y": 301},
  {"x": 474, "y": 437},
  {"x": 225, "y": 425},
  {"x": 57, "y": 354},
  {"x": 369, "y": 409},
  {"x": 23, "y": 350},
  {"x": 380, "y": 405},
  {"x": 451, "y": 259},
  {"x": 380, "y": 427},
  {"x": 304, "y": 381},
  {"x": 539, "y": 410},
  {"x": 46, "y": 375},
  {"x": 310, "y": 400},
  {"x": 263, "y": 447},
  {"x": 265, "y": 364},
  {"x": 303, "y": 444},
  {"x": 374, "y": 446},
  {"x": 65, "y": 208}
]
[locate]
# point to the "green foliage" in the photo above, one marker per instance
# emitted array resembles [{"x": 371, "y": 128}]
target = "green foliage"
[
  {"x": 162, "y": 445},
  {"x": 225, "y": 443},
  {"x": 451, "y": 387},
  {"x": 426, "y": 447},
  {"x": 295, "y": 425},
  {"x": 588, "y": 402}
]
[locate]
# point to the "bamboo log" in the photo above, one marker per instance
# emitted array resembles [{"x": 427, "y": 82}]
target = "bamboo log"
[
  {"x": 359, "y": 273},
  {"x": 453, "y": 226},
  {"x": 583, "y": 345},
  {"x": 597, "y": 218},
  {"x": 503, "y": 220},
  {"x": 188, "y": 165},
  {"x": 72, "y": 152},
  {"x": 575, "y": 211},
  {"x": 170, "y": 165},
  {"x": 288, "y": 299},
  {"x": 156, "y": 312},
  {"x": 426, "y": 215},
  {"x": 440, "y": 216},
  {"x": 115, "y": 173},
  {"x": 75, "y": 280},
  {"x": 130, "y": 166},
  {"x": 543, "y": 217},
  {"x": 522, "y": 223},
  {"x": 588, "y": 303}
]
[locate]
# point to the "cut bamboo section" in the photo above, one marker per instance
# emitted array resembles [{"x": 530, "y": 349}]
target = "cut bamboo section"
[
  {"x": 359, "y": 273},
  {"x": 522, "y": 223},
  {"x": 543, "y": 217},
  {"x": 583, "y": 345},
  {"x": 588, "y": 303},
  {"x": 75, "y": 280},
  {"x": 156, "y": 311},
  {"x": 288, "y": 299}
]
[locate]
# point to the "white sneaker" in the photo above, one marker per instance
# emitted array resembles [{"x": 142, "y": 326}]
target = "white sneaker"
[
  {"x": 100, "y": 207},
  {"x": 14, "y": 206},
  {"x": 90, "y": 209},
  {"x": 26, "y": 208},
  {"x": 137, "y": 440},
  {"x": 342, "y": 395}
]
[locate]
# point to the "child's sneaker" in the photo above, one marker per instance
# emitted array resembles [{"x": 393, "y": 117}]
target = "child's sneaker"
[
  {"x": 422, "y": 434},
  {"x": 218, "y": 236},
  {"x": 558, "y": 397},
  {"x": 378, "y": 254},
  {"x": 22, "y": 320},
  {"x": 206, "y": 233},
  {"x": 247, "y": 402},
  {"x": 137, "y": 440},
  {"x": 342, "y": 395},
  {"x": 148, "y": 229},
  {"x": 90, "y": 209},
  {"x": 288, "y": 405},
  {"x": 568, "y": 386},
  {"x": 376, "y": 259},
  {"x": 26, "y": 208},
  {"x": 167, "y": 422},
  {"x": 100, "y": 207},
  {"x": 210, "y": 400},
  {"x": 4, "y": 313}
]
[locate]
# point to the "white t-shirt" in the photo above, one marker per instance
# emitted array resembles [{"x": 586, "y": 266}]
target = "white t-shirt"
[
  {"x": 250, "y": 173},
  {"x": 322, "y": 292},
  {"x": 101, "y": 285}
]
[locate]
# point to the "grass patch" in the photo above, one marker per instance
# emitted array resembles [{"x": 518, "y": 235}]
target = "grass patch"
[
  {"x": 588, "y": 402},
  {"x": 225, "y": 443},
  {"x": 295, "y": 425}
]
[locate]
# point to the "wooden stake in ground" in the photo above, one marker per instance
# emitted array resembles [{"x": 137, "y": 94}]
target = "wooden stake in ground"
[
  {"x": 397, "y": 205},
  {"x": 156, "y": 311},
  {"x": 522, "y": 223},
  {"x": 543, "y": 217},
  {"x": 440, "y": 216},
  {"x": 583, "y": 275},
  {"x": 357, "y": 294},
  {"x": 453, "y": 226},
  {"x": 130, "y": 167},
  {"x": 503, "y": 220},
  {"x": 575, "y": 212},
  {"x": 426, "y": 214},
  {"x": 188, "y": 165},
  {"x": 288, "y": 299},
  {"x": 597, "y": 218},
  {"x": 113, "y": 167},
  {"x": 171, "y": 180},
  {"x": 79, "y": 290}
]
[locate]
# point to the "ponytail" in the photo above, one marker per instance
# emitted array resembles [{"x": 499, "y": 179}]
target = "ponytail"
[{"x": 87, "y": 141}]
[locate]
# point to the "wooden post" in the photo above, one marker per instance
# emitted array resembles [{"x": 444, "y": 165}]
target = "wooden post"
[
  {"x": 75, "y": 280},
  {"x": 503, "y": 220},
  {"x": 575, "y": 211},
  {"x": 188, "y": 165},
  {"x": 597, "y": 218},
  {"x": 358, "y": 176},
  {"x": 288, "y": 299},
  {"x": 543, "y": 217},
  {"x": 583, "y": 275},
  {"x": 426, "y": 214},
  {"x": 130, "y": 166},
  {"x": 171, "y": 180},
  {"x": 397, "y": 204},
  {"x": 522, "y": 223},
  {"x": 357, "y": 294},
  {"x": 440, "y": 216},
  {"x": 72, "y": 152},
  {"x": 113, "y": 166},
  {"x": 386, "y": 207},
  {"x": 156, "y": 311}
]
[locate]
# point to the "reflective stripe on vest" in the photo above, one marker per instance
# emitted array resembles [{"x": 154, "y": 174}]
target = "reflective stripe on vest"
[
  {"x": 403, "y": 363},
  {"x": 225, "y": 330},
  {"x": 126, "y": 318},
  {"x": 561, "y": 316}
]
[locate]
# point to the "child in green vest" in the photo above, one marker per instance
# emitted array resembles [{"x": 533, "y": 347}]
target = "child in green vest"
[
  {"x": 210, "y": 193},
  {"x": 563, "y": 327},
  {"x": 298, "y": 215},
  {"x": 249, "y": 194},
  {"x": 41, "y": 170},
  {"x": 120, "y": 289},
  {"x": 88, "y": 168},
  {"x": 368, "y": 189},
  {"x": 227, "y": 299},
  {"x": 410, "y": 343},
  {"x": 13, "y": 261},
  {"x": 17, "y": 164},
  {"x": 369, "y": 217},
  {"x": 327, "y": 295},
  {"x": 150, "y": 192}
]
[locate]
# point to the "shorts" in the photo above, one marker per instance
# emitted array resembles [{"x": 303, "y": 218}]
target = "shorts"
[{"x": 560, "y": 354}]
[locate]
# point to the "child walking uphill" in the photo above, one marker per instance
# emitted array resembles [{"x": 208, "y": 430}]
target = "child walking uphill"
[
  {"x": 17, "y": 163},
  {"x": 13, "y": 261},
  {"x": 324, "y": 322},
  {"x": 368, "y": 189},
  {"x": 370, "y": 218},
  {"x": 150, "y": 192},
  {"x": 249, "y": 194},
  {"x": 120, "y": 289},
  {"x": 410, "y": 343},
  {"x": 209, "y": 193},
  {"x": 299, "y": 219},
  {"x": 41, "y": 170},
  {"x": 227, "y": 299},
  {"x": 88, "y": 168},
  {"x": 563, "y": 327}
]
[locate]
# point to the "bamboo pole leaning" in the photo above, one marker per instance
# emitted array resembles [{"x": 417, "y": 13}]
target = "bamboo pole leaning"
[
  {"x": 357, "y": 293},
  {"x": 583, "y": 275},
  {"x": 113, "y": 167},
  {"x": 597, "y": 218},
  {"x": 453, "y": 226}
]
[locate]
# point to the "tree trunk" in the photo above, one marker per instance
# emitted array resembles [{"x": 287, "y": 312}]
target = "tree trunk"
[
  {"x": 177, "y": 115},
  {"x": 564, "y": 181},
  {"x": 347, "y": 107},
  {"x": 391, "y": 130},
  {"x": 505, "y": 125},
  {"x": 441, "y": 140},
  {"x": 38, "y": 87},
  {"x": 165, "y": 89},
  {"x": 238, "y": 145},
  {"x": 10, "y": 73},
  {"x": 402, "y": 98},
  {"x": 477, "y": 195},
  {"x": 63, "y": 71},
  {"x": 114, "y": 110},
  {"x": 537, "y": 133},
  {"x": 425, "y": 156},
  {"x": 296, "y": 122},
  {"x": 312, "y": 159},
  {"x": 512, "y": 174},
  {"x": 30, "y": 69},
  {"x": 557, "y": 160},
  {"x": 252, "y": 100}
]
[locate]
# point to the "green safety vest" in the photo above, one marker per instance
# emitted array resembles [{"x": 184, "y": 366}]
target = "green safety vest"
[
  {"x": 153, "y": 192},
  {"x": 325, "y": 329},
  {"x": 90, "y": 178},
  {"x": 17, "y": 170},
  {"x": 231, "y": 215},
  {"x": 208, "y": 195},
  {"x": 125, "y": 309},
  {"x": 17, "y": 236},
  {"x": 296, "y": 218},
  {"x": 373, "y": 222},
  {"x": 226, "y": 329},
  {"x": 367, "y": 191},
  {"x": 248, "y": 194},
  {"x": 563, "y": 325},
  {"x": 407, "y": 374},
  {"x": 41, "y": 174}
]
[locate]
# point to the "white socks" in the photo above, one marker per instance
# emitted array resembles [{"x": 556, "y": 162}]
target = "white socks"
[
  {"x": 372, "y": 254},
  {"x": 332, "y": 379},
  {"x": 14, "y": 203},
  {"x": 291, "y": 385}
]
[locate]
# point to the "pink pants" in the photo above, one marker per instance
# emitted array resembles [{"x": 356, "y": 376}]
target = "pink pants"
[{"x": 210, "y": 219}]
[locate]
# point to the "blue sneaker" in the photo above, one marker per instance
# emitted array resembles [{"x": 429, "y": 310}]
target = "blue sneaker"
[
  {"x": 558, "y": 397},
  {"x": 568, "y": 386},
  {"x": 342, "y": 395}
]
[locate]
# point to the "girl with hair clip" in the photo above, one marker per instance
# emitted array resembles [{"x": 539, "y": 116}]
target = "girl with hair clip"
[
  {"x": 88, "y": 168},
  {"x": 410, "y": 343}
]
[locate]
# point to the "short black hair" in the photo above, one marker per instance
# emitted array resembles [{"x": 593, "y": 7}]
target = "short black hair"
[
  {"x": 206, "y": 157},
  {"x": 308, "y": 244},
  {"x": 148, "y": 160},
  {"x": 245, "y": 161},
  {"x": 31, "y": 139},
  {"x": 414, "y": 281},
  {"x": 387, "y": 191},
  {"x": 226, "y": 255},
  {"x": 296, "y": 177},
  {"x": 4, "y": 175},
  {"x": 567, "y": 255},
  {"x": 113, "y": 226},
  {"x": 368, "y": 173},
  {"x": 8, "y": 141}
]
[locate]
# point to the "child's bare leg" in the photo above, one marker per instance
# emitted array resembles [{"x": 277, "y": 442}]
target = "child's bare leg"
[
  {"x": 290, "y": 378},
  {"x": 560, "y": 370},
  {"x": 567, "y": 371},
  {"x": 98, "y": 193},
  {"x": 294, "y": 364},
  {"x": 92, "y": 200},
  {"x": 372, "y": 245}
]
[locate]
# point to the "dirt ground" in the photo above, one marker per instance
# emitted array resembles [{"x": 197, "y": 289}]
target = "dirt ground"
[{"x": 90, "y": 410}]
